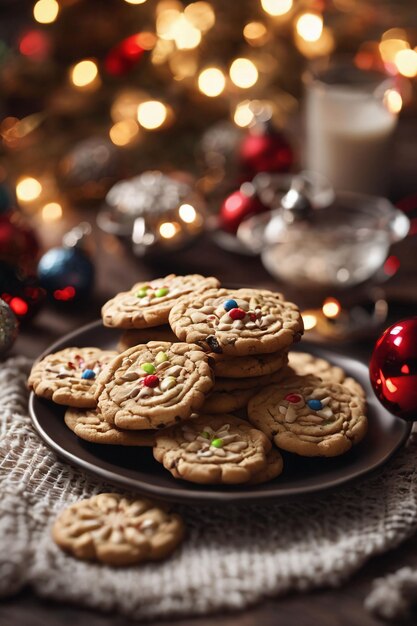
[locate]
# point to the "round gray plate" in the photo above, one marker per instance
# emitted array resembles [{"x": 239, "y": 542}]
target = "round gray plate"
[{"x": 135, "y": 468}]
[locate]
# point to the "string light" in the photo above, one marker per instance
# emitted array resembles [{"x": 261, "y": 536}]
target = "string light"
[
  {"x": 393, "y": 101},
  {"x": 28, "y": 189},
  {"x": 46, "y": 11},
  {"x": 151, "y": 114},
  {"x": 276, "y": 7},
  {"x": 201, "y": 15},
  {"x": 243, "y": 115},
  {"x": 255, "y": 33},
  {"x": 406, "y": 62},
  {"x": 187, "y": 213},
  {"x": 84, "y": 73},
  {"x": 324, "y": 45},
  {"x": 51, "y": 212},
  {"x": 124, "y": 132},
  {"x": 211, "y": 82},
  {"x": 309, "y": 26},
  {"x": 168, "y": 230},
  {"x": 243, "y": 73},
  {"x": 331, "y": 307}
]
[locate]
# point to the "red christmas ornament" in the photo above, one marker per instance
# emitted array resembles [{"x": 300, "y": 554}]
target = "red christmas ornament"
[
  {"x": 238, "y": 206},
  {"x": 22, "y": 293},
  {"x": 393, "y": 369},
  {"x": 19, "y": 245},
  {"x": 124, "y": 56},
  {"x": 268, "y": 151}
]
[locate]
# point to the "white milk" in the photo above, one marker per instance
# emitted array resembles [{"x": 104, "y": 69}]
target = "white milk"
[{"x": 349, "y": 138}]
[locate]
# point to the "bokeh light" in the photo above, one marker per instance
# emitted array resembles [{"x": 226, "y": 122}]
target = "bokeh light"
[
  {"x": 51, "y": 212},
  {"x": 256, "y": 33},
  {"x": 393, "y": 101},
  {"x": 211, "y": 82},
  {"x": 187, "y": 213},
  {"x": 309, "y": 320},
  {"x": 406, "y": 62},
  {"x": 46, "y": 11},
  {"x": 331, "y": 307},
  {"x": 168, "y": 230},
  {"x": 243, "y": 73},
  {"x": 243, "y": 115},
  {"x": 309, "y": 26},
  {"x": 84, "y": 73},
  {"x": 28, "y": 189},
  {"x": 124, "y": 132},
  {"x": 276, "y": 7},
  {"x": 201, "y": 15},
  {"x": 135, "y": 1},
  {"x": 152, "y": 114}
]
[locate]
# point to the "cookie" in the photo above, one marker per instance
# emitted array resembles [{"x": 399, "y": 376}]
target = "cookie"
[
  {"x": 248, "y": 366},
  {"x": 90, "y": 425},
  {"x": 116, "y": 530},
  {"x": 136, "y": 336},
  {"x": 148, "y": 304},
  {"x": 154, "y": 385},
  {"x": 237, "y": 322},
  {"x": 213, "y": 449},
  {"x": 301, "y": 363},
  {"x": 70, "y": 376},
  {"x": 309, "y": 417},
  {"x": 274, "y": 467},
  {"x": 231, "y": 394}
]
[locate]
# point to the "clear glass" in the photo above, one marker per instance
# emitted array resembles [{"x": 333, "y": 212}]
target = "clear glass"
[{"x": 349, "y": 128}]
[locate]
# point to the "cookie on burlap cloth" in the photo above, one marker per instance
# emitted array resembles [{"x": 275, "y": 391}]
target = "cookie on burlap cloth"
[
  {"x": 213, "y": 449},
  {"x": 309, "y": 417},
  {"x": 237, "y": 322},
  {"x": 90, "y": 425},
  {"x": 154, "y": 385},
  {"x": 116, "y": 530},
  {"x": 149, "y": 304},
  {"x": 70, "y": 376}
]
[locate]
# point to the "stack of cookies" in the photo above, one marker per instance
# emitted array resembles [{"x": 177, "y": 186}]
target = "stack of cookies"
[{"x": 205, "y": 376}]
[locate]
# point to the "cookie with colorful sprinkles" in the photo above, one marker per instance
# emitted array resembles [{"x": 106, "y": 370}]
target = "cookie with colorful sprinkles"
[
  {"x": 309, "y": 417},
  {"x": 213, "y": 449},
  {"x": 70, "y": 376},
  {"x": 90, "y": 425},
  {"x": 154, "y": 385},
  {"x": 148, "y": 304}
]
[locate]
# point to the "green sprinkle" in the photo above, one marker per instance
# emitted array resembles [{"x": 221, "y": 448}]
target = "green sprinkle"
[
  {"x": 141, "y": 293},
  {"x": 217, "y": 443},
  {"x": 161, "y": 357},
  {"x": 205, "y": 434},
  {"x": 148, "y": 368},
  {"x": 161, "y": 292}
]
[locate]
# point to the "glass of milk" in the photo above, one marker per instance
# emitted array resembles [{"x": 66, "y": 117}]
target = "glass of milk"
[{"x": 349, "y": 128}]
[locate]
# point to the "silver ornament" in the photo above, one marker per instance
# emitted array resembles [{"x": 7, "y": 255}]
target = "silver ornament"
[{"x": 8, "y": 327}]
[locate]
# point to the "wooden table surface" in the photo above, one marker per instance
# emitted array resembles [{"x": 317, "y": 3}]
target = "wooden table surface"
[{"x": 118, "y": 269}]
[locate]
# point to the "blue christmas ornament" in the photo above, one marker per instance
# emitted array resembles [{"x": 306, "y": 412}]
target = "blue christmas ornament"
[
  {"x": 67, "y": 273},
  {"x": 315, "y": 405}
]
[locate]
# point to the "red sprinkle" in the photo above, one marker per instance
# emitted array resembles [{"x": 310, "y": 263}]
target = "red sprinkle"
[
  {"x": 71, "y": 365},
  {"x": 237, "y": 314},
  {"x": 253, "y": 317},
  {"x": 151, "y": 381},
  {"x": 293, "y": 397}
]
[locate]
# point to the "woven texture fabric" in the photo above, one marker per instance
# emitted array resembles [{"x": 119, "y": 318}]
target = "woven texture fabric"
[{"x": 232, "y": 557}]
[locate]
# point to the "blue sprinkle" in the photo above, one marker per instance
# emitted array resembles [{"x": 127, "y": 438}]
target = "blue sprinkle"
[
  {"x": 315, "y": 405},
  {"x": 230, "y": 304},
  {"x": 88, "y": 374}
]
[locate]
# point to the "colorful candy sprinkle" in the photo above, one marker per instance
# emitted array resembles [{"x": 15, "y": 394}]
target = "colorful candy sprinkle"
[
  {"x": 88, "y": 374},
  {"x": 229, "y": 305},
  {"x": 159, "y": 293},
  {"x": 293, "y": 398},
  {"x": 161, "y": 357},
  {"x": 141, "y": 293},
  {"x": 168, "y": 383},
  {"x": 217, "y": 443},
  {"x": 151, "y": 381},
  {"x": 314, "y": 405},
  {"x": 237, "y": 314},
  {"x": 148, "y": 368}
]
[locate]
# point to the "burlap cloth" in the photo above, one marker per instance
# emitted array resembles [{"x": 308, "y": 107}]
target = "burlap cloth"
[{"x": 232, "y": 557}]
